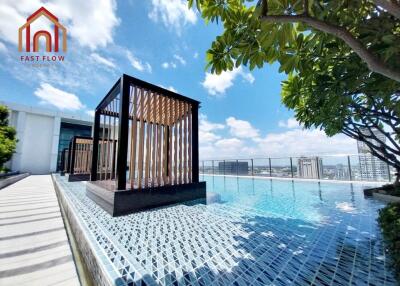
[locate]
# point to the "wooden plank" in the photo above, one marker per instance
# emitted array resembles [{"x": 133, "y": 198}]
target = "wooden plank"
[
  {"x": 141, "y": 140},
  {"x": 170, "y": 114},
  {"x": 190, "y": 143},
  {"x": 180, "y": 143},
  {"x": 164, "y": 120},
  {"x": 102, "y": 149},
  {"x": 83, "y": 158},
  {"x": 185, "y": 162},
  {"x": 154, "y": 137},
  {"x": 159, "y": 140},
  {"x": 132, "y": 161},
  {"x": 108, "y": 147},
  {"x": 176, "y": 143},
  {"x": 114, "y": 155},
  {"x": 147, "y": 158}
]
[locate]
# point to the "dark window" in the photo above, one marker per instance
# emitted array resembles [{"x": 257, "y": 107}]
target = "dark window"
[{"x": 67, "y": 131}]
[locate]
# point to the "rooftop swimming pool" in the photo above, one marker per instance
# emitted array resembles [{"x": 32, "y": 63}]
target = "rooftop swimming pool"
[{"x": 250, "y": 232}]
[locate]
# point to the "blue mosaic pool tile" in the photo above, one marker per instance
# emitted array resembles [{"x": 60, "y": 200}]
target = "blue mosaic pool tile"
[{"x": 233, "y": 244}]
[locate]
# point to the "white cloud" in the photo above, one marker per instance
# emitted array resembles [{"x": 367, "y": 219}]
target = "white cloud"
[
  {"x": 173, "y": 64},
  {"x": 206, "y": 125},
  {"x": 90, "y": 113},
  {"x": 58, "y": 98},
  {"x": 299, "y": 142},
  {"x": 3, "y": 48},
  {"x": 137, "y": 64},
  {"x": 290, "y": 123},
  {"x": 104, "y": 61},
  {"x": 218, "y": 84},
  {"x": 180, "y": 59},
  {"x": 90, "y": 22},
  {"x": 229, "y": 145},
  {"x": 174, "y": 14},
  {"x": 171, "y": 88},
  {"x": 207, "y": 130},
  {"x": 196, "y": 55},
  {"x": 241, "y": 128},
  {"x": 245, "y": 141}
]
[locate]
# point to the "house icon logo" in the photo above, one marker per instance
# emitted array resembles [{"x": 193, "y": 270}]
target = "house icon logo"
[{"x": 52, "y": 42}]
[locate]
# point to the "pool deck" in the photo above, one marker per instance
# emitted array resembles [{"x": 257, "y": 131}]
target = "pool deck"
[{"x": 34, "y": 247}]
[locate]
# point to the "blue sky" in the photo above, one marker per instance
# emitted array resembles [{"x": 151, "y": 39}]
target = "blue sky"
[{"x": 162, "y": 42}]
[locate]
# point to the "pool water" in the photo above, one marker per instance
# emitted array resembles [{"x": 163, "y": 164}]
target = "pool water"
[{"x": 251, "y": 232}]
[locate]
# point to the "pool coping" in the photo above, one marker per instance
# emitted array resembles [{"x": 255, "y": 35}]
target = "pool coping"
[{"x": 97, "y": 270}]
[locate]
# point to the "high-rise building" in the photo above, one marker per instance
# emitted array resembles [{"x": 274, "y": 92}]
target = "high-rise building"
[
  {"x": 309, "y": 167},
  {"x": 371, "y": 167}
]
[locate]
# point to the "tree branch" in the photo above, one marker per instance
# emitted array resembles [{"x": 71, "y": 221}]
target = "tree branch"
[
  {"x": 264, "y": 7},
  {"x": 373, "y": 62},
  {"x": 392, "y": 7}
]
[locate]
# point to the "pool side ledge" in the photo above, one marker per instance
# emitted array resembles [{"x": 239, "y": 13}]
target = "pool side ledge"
[{"x": 123, "y": 202}]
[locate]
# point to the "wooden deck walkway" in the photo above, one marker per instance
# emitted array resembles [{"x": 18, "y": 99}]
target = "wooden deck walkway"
[{"x": 34, "y": 248}]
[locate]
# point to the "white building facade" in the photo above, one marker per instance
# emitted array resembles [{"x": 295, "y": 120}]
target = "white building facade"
[
  {"x": 309, "y": 167},
  {"x": 39, "y": 133},
  {"x": 371, "y": 167}
]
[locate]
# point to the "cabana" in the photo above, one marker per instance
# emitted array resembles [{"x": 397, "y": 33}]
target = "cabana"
[
  {"x": 79, "y": 158},
  {"x": 145, "y": 148}
]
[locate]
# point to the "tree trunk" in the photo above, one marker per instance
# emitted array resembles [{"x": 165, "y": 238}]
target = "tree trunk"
[{"x": 397, "y": 181}]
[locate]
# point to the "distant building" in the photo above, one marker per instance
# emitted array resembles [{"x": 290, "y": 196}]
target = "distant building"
[
  {"x": 42, "y": 135},
  {"x": 233, "y": 168},
  {"x": 341, "y": 172},
  {"x": 371, "y": 167},
  {"x": 309, "y": 167}
]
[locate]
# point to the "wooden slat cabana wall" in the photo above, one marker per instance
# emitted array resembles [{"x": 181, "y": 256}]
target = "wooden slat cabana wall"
[
  {"x": 80, "y": 155},
  {"x": 156, "y": 131}
]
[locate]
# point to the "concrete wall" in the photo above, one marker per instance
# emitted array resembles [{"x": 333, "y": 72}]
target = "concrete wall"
[
  {"x": 38, "y": 133},
  {"x": 37, "y": 143}
]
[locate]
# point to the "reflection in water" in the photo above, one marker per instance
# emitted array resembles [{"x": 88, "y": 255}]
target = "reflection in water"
[
  {"x": 271, "y": 188},
  {"x": 352, "y": 195},
  {"x": 320, "y": 192}
]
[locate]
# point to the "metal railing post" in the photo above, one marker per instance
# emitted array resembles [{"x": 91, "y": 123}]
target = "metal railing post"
[
  {"x": 224, "y": 167},
  {"x": 349, "y": 166},
  {"x": 270, "y": 168},
  {"x": 252, "y": 167},
  {"x": 212, "y": 165},
  {"x": 237, "y": 167},
  {"x": 291, "y": 166}
]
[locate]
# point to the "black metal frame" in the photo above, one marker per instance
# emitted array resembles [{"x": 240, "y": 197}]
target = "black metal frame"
[
  {"x": 63, "y": 163},
  {"x": 122, "y": 88}
]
